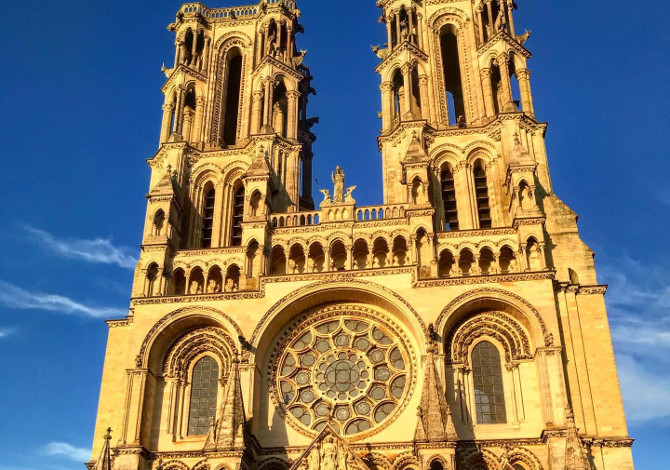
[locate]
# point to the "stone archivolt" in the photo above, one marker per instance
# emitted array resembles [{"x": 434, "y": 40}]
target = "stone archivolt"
[{"x": 386, "y": 303}]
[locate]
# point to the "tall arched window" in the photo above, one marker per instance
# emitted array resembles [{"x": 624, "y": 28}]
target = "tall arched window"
[
  {"x": 208, "y": 215},
  {"x": 451, "y": 68},
  {"x": 233, "y": 87},
  {"x": 204, "y": 388},
  {"x": 398, "y": 90},
  {"x": 487, "y": 377},
  {"x": 449, "y": 199},
  {"x": 238, "y": 216},
  {"x": 482, "y": 195}
]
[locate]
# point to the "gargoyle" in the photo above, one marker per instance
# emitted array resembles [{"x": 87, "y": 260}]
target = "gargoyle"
[
  {"x": 381, "y": 53},
  {"x": 522, "y": 38},
  {"x": 297, "y": 60}
]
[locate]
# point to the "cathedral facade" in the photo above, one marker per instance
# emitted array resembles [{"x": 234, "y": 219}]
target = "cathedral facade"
[{"x": 456, "y": 325}]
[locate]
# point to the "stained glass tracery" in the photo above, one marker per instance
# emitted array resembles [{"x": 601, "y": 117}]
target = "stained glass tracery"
[
  {"x": 351, "y": 369},
  {"x": 489, "y": 391},
  {"x": 204, "y": 388}
]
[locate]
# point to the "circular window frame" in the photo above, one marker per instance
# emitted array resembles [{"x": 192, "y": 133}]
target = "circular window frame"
[{"x": 342, "y": 312}]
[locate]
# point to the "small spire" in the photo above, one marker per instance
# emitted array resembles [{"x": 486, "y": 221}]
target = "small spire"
[
  {"x": 434, "y": 414},
  {"x": 105, "y": 460},
  {"x": 415, "y": 152},
  {"x": 228, "y": 431},
  {"x": 519, "y": 152}
]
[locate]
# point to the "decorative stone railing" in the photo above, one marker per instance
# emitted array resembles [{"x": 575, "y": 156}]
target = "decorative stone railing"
[
  {"x": 379, "y": 213},
  {"x": 296, "y": 219},
  {"x": 192, "y": 9}
]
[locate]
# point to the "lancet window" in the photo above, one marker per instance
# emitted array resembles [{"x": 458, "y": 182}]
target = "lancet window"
[
  {"x": 451, "y": 69},
  {"x": 204, "y": 390},
  {"x": 233, "y": 83},
  {"x": 488, "y": 384},
  {"x": 237, "y": 216},
  {"x": 449, "y": 199},
  {"x": 208, "y": 215},
  {"x": 482, "y": 196}
]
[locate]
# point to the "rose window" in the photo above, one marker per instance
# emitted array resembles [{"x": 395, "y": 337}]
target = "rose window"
[{"x": 351, "y": 370}]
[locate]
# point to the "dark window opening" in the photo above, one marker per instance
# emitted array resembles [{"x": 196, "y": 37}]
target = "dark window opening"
[
  {"x": 232, "y": 100},
  {"x": 238, "y": 216},
  {"x": 449, "y": 200},
  {"x": 452, "y": 71},
  {"x": 482, "y": 193},
  {"x": 208, "y": 217}
]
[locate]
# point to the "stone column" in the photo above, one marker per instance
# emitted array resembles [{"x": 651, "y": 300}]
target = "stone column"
[
  {"x": 510, "y": 17},
  {"x": 489, "y": 9},
  {"x": 419, "y": 29},
  {"x": 182, "y": 51},
  {"x": 188, "y": 124},
  {"x": 397, "y": 28},
  {"x": 407, "y": 80},
  {"x": 522, "y": 258},
  {"x": 179, "y": 117},
  {"x": 177, "y": 50},
  {"x": 464, "y": 197},
  {"x": 196, "y": 133},
  {"x": 289, "y": 44},
  {"x": 480, "y": 16},
  {"x": 489, "y": 104},
  {"x": 194, "y": 47},
  {"x": 350, "y": 258},
  {"x": 267, "y": 117},
  {"x": 168, "y": 109},
  {"x": 389, "y": 27},
  {"x": 505, "y": 81},
  {"x": 292, "y": 121},
  {"x": 206, "y": 50},
  {"x": 256, "y": 112},
  {"x": 387, "y": 105},
  {"x": 524, "y": 87},
  {"x": 425, "y": 101}
]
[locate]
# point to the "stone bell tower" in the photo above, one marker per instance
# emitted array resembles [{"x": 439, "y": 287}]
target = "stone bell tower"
[{"x": 457, "y": 325}]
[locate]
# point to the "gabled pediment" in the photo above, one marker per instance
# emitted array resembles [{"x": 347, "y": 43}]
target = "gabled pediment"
[{"x": 328, "y": 451}]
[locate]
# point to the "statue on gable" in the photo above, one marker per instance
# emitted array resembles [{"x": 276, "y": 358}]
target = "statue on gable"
[
  {"x": 338, "y": 179},
  {"x": 329, "y": 454}
]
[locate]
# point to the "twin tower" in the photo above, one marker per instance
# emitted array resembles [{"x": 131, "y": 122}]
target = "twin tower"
[{"x": 457, "y": 325}]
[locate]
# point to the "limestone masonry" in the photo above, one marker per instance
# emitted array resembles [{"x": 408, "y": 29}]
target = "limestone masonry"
[{"x": 457, "y": 325}]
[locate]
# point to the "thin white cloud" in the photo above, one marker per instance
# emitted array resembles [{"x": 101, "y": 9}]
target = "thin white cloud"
[
  {"x": 646, "y": 394},
  {"x": 98, "y": 250},
  {"x": 638, "y": 302},
  {"x": 63, "y": 449},
  {"x": 6, "y": 331},
  {"x": 17, "y": 298}
]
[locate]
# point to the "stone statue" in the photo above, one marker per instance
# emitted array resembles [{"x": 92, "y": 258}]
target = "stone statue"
[
  {"x": 326, "y": 196},
  {"x": 196, "y": 288},
  {"x": 338, "y": 179},
  {"x": 313, "y": 459},
  {"x": 230, "y": 285},
  {"x": 328, "y": 454},
  {"x": 213, "y": 287},
  {"x": 348, "y": 196}
]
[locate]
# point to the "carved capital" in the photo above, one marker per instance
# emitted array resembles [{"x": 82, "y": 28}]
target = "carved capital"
[
  {"x": 386, "y": 86},
  {"x": 523, "y": 74}
]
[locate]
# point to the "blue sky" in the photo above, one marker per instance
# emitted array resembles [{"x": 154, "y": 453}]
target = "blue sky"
[{"x": 80, "y": 99}]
